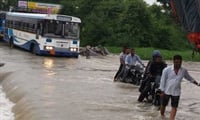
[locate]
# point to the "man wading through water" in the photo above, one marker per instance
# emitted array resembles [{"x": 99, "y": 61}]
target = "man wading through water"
[{"x": 170, "y": 85}]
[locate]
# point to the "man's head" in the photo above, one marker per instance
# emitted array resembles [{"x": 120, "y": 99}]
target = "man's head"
[
  {"x": 128, "y": 50},
  {"x": 157, "y": 59},
  {"x": 156, "y": 55},
  {"x": 132, "y": 51},
  {"x": 177, "y": 59},
  {"x": 124, "y": 49}
]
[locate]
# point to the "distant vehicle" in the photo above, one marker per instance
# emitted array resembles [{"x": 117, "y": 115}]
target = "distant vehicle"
[
  {"x": 43, "y": 34},
  {"x": 2, "y": 23}
]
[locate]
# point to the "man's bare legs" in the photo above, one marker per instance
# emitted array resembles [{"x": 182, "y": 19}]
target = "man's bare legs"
[
  {"x": 173, "y": 113},
  {"x": 162, "y": 110}
]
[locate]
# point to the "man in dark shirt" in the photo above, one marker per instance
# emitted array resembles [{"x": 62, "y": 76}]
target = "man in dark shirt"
[{"x": 153, "y": 74}]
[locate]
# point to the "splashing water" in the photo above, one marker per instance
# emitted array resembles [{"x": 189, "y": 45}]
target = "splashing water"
[{"x": 5, "y": 107}]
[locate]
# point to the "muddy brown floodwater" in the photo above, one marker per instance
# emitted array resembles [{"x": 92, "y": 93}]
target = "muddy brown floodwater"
[{"x": 56, "y": 88}]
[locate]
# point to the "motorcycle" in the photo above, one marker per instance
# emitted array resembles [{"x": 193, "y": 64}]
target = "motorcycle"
[
  {"x": 135, "y": 74},
  {"x": 149, "y": 90}
]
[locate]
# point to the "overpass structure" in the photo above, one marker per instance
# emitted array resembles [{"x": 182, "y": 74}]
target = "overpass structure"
[{"x": 187, "y": 12}]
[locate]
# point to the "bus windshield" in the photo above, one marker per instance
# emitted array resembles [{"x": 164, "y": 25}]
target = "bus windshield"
[{"x": 59, "y": 29}]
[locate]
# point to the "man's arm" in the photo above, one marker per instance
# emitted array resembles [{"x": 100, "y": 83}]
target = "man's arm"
[
  {"x": 147, "y": 70},
  {"x": 127, "y": 61},
  {"x": 190, "y": 78},
  {"x": 122, "y": 60},
  {"x": 140, "y": 61}
]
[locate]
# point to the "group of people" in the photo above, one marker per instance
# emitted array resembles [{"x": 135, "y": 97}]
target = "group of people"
[
  {"x": 128, "y": 59},
  {"x": 170, "y": 77}
]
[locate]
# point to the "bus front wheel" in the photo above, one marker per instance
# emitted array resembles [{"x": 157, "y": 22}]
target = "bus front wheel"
[{"x": 33, "y": 49}]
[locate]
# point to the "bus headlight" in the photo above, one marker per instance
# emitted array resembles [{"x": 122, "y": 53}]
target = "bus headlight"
[
  {"x": 73, "y": 49},
  {"x": 48, "y": 47}
]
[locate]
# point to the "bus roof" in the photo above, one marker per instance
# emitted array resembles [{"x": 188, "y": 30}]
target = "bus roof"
[{"x": 45, "y": 16}]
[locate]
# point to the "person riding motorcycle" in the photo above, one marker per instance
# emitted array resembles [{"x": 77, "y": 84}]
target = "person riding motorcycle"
[
  {"x": 130, "y": 61},
  {"x": 153, "y": 73}
]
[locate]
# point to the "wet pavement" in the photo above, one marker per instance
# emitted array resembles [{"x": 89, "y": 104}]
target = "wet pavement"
[{"x": 57, "y": 88}]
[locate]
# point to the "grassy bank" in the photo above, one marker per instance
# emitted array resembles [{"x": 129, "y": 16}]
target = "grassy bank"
[{"x": 145, "y": 53}]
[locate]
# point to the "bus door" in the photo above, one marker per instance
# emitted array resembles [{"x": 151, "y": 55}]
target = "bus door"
[{"x": 38, "y": 30}]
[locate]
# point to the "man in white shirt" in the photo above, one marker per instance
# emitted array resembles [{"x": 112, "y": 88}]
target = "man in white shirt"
[
  {"x": 122, "y": 57},
  {"x": 170, "y": 85}
]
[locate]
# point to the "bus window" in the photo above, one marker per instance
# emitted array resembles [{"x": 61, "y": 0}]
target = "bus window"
[
  {"x": 11, "y": 24},
  {"x": 27, "y": 26},
  {"x": 15, "y": 24},
  {"x": 38, "y": 31},
  {"x": 24, "y": 26},
  {"x": 50, "y": 27},
  {"x": 20, "y": 26},
  {"x": 53, "y": 29},
  {"x": 7, "y": 23},
  {"x": 33, "y": 28},
  {"x": 58, "y": 29},
  {"x": 71, "y": 30}
]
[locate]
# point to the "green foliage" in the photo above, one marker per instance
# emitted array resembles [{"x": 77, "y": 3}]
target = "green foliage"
[
  {"x": 146, "y": 53},
  {"x": 166, "y": 31},
  {"x": 124, "y": 22}
]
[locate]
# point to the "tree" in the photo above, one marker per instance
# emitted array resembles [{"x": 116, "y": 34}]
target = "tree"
[
  {"x": 136, "y": 24},
  {"x": 167, "y": 34},
  {"x": 123, "y": 22},
  {"x": 6, "y": 4}
]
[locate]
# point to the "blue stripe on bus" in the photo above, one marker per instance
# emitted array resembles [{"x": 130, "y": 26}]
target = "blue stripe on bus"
[
  {"x": 27, "y": 46},
  {"x": 58, "y": 53},
  {"x": 10, "y": 32}
]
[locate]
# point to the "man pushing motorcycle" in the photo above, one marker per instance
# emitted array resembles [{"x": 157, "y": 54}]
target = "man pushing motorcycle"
[{"x": 151, "y": 79}]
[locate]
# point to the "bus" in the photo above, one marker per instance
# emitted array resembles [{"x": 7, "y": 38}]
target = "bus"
[
  {"x": 43, "y": 34},
  {"x": 2, "y": 23}
]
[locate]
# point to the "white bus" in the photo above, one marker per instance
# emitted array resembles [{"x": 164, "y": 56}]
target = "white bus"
[{"x": 43, "y": 34}]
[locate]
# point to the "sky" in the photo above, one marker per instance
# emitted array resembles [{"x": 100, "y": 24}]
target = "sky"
[{"x": 150, "y": 2}]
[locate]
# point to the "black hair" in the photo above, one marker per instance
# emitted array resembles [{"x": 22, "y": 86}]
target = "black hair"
[
  {"x": 177, "y": 57},
  {"x": 125, "y": 48}
]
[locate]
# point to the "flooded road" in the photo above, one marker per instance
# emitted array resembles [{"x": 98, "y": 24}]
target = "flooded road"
[{"x": 53, "y": 88}]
